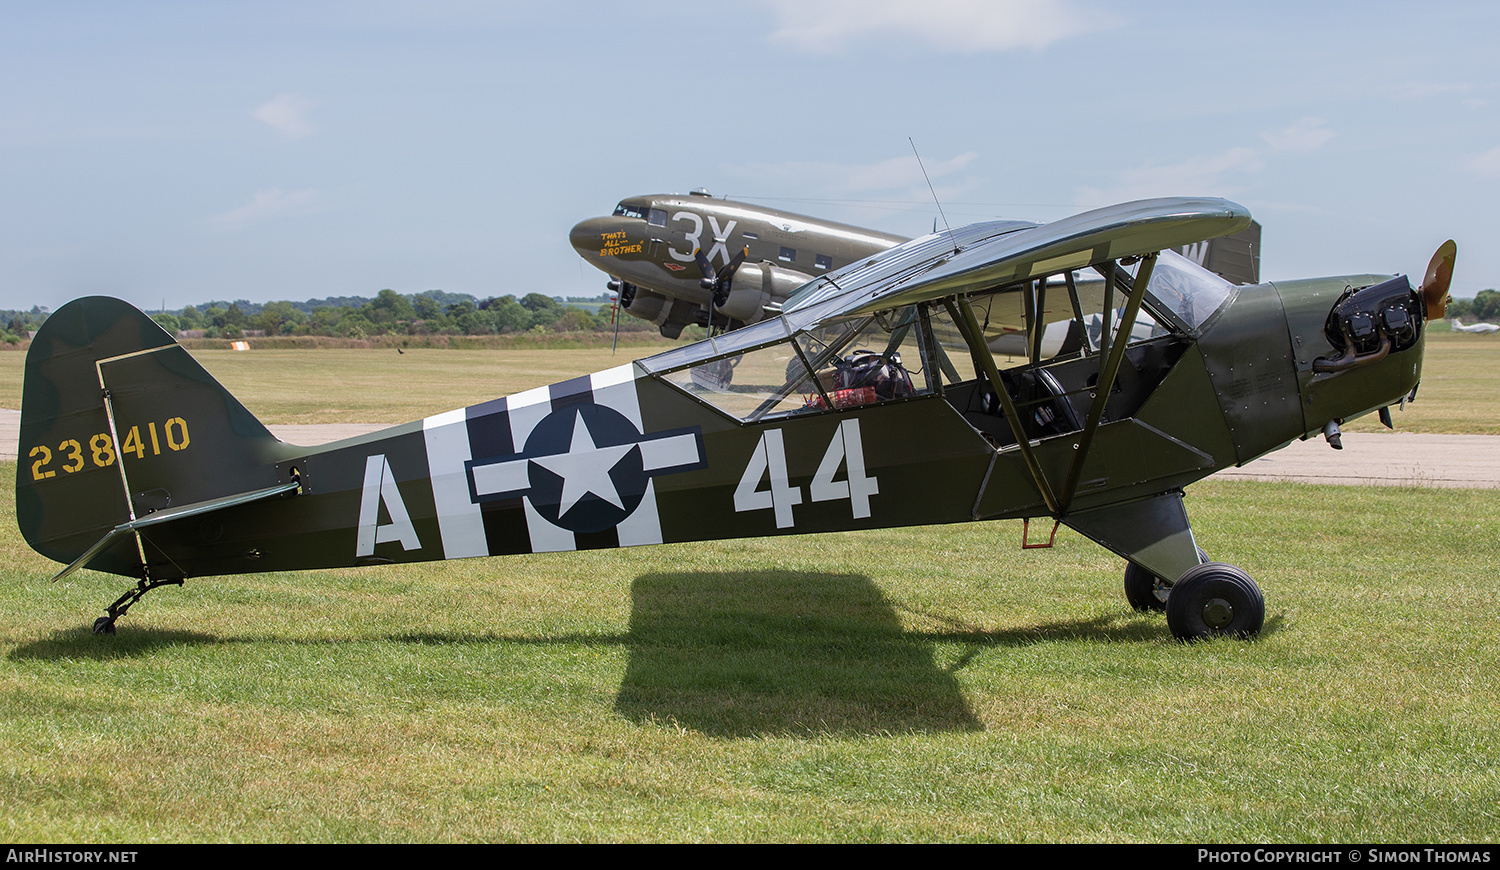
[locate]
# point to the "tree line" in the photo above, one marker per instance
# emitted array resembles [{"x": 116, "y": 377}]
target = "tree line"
[
  {"x": 434, "y": 312},
  {"x": 1485, "y": 306}
]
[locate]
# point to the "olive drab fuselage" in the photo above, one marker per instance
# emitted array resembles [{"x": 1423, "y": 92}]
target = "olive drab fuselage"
[{"x": 1077, "y": 370}]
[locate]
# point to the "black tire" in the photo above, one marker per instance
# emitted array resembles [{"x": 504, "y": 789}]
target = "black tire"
[
  {"x": 1147, "y": 592},
  {"x": 104, "y": 625},
  {"x": 1215, "y": 600}
]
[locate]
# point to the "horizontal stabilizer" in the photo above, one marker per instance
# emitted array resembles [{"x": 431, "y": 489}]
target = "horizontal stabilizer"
[{"x": 170, "y": 514}]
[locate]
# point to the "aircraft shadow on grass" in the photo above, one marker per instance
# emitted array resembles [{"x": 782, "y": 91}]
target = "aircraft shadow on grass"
[
  {"x": 733, "y": 654},
  {"x": 772, "y": 652},
  {"x": 81, "y": 644},
  {"x": 737, "y": 654}
]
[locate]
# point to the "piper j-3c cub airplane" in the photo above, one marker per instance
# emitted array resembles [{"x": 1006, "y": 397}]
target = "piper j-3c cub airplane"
[{"x": 873, "y": 398}]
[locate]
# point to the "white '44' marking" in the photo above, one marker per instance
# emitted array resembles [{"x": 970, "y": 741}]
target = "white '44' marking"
[{"x": 769, "y": 459}]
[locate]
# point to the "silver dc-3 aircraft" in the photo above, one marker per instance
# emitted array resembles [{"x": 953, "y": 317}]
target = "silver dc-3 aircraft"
[
  {"x": 697, "y": 260},
  {"x": 872, "y": 397},
  {"x": 1476, "y": 328},
  {"x": 660, "y": 253}
]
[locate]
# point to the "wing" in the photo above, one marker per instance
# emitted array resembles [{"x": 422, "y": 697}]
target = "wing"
[{"x": 983, "y": 256}]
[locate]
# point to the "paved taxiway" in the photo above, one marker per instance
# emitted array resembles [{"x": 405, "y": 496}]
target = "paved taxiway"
[{"x": 1379, "y": 458}]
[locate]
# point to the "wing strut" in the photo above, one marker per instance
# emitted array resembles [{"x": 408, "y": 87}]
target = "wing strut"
[
  {"x": 974, "y": 337},
  {"x": 1077, "y": 309},
  {"x": 1037, "y": 324},
  {"x": 1110, "y": 364}
]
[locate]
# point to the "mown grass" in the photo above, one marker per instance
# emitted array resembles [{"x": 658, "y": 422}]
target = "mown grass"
[
  {"x": 370, "y": 386},
  {"x": 923, "y": 684},
  {"x": 901, "y": 685},
  {"x": 1460, "y": 389}
]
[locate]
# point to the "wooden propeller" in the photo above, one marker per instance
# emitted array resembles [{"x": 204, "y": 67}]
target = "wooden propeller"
[{"x": 1439, "y": 276}]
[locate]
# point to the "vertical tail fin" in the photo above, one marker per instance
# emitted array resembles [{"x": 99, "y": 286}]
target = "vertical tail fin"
[
  {"x": 118, "y": 421},
  {"x": 1234, "y": 257}
]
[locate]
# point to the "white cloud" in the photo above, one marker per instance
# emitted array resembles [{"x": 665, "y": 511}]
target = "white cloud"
[
  {"x": 964, "y": 26},
  {"x": 1223, "y": 174},
  {"x": 267, "y": 204},
  {"x": 848, "y": 178},
  {"x": 1486, "y": 165},
  {"x": 1307, "y": 134},
  {"x": 1215, "y": 175},
  {"x": 286, "y": 114}
]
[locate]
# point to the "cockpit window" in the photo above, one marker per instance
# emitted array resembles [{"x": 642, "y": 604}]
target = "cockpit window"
[
  {"x": 658, "y": 217},
  {"x": 628, "y": 210},
  {"x": 1186, "y": 289},
  {"x": 854, "y": 361}
]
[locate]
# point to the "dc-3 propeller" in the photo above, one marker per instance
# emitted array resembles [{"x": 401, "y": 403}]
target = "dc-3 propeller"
[{"x": 718, "y": 283}]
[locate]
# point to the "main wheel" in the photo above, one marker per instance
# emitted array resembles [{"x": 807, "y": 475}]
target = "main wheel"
[
  {"x": 104, "y": 625},
  {"x": 1147, "y": 592},
  {"x": 1215, "y": 600}
]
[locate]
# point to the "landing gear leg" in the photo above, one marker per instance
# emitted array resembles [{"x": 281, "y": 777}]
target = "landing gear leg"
[
  {"x": 1209, "y": 599},
  {"x": 1147, "y": 592},
  {"x": 106, "y": 624}
]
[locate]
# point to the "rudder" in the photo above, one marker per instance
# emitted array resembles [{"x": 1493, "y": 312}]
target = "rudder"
[{"x": 118, "y": 421}]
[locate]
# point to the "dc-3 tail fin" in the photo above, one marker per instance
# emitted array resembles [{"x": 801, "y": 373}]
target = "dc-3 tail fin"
[{"x": 119, "y": 423}]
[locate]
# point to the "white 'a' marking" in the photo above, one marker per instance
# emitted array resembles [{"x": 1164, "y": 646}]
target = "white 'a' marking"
[{"x": 380, "y": 488}]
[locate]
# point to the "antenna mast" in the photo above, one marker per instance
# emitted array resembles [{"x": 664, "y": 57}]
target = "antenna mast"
[{"x": 946, "y": 226}]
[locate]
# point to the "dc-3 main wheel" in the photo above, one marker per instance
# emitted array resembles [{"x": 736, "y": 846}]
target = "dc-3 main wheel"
[
  {"x": 1147, "y": 592},
  {"x": 1215, "y": 600}
]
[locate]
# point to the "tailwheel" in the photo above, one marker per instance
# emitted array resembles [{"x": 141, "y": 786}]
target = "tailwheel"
[
  {"x": 106, "y": 624},
  {"x": 1215, "y": 600},
  {"x": 1147, "y": 592}
]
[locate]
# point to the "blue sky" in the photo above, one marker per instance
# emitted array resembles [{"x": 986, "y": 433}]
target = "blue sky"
[{"x": 176, "y": 152}]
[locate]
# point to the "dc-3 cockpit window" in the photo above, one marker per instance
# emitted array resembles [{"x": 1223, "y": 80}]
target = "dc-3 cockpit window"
[
  {"x": 843, "y": 363},
  {"x": 632, "y": 211}
]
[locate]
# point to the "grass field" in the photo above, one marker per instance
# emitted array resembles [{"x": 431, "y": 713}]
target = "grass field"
[
  {"x": 902, "y": 685},
  {"x": 910, "y": 685}
]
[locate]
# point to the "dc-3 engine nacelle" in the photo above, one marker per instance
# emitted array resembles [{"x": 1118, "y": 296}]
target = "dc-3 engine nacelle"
[
  {"x": 754, "y": 286},
  {"x": 670, "y": 315}
]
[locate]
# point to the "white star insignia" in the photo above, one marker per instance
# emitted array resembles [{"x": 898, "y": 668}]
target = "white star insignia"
[{"x": 585, "y": 468}]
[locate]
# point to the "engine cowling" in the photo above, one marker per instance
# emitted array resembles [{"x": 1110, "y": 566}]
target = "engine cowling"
[
  {"x": 1371, "y": 322},
  {"x": 669, "y": 315},
  {"x": 756, "y": 285}
]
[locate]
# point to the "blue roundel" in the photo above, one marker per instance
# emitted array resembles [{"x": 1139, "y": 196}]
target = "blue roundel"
[{"x": 585, "y": 468}]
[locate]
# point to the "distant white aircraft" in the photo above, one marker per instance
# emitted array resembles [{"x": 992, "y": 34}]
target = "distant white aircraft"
[{"x": 1484, "y": 328}]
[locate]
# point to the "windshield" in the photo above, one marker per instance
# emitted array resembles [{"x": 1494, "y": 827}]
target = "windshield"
[{"x": 1187, "y": 289}]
